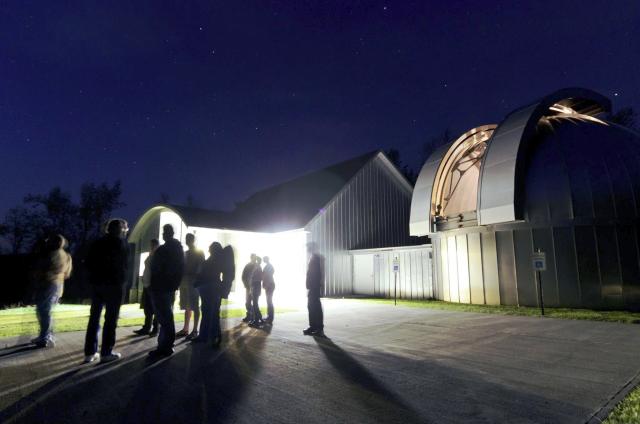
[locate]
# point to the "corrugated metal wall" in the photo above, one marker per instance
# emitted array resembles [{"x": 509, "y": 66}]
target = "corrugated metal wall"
[
  {"x": 414, "y": 279},
  {"x": 371, "y": 211},
  {"x": 592, "y": 266}
]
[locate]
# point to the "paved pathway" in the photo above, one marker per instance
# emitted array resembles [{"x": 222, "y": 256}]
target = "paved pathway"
[{"x": 379, "y": 364}]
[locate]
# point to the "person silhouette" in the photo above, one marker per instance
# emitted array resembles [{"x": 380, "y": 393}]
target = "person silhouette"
[
  {"x": 209, "y": 283},
  {"x": 246, "y": 281},
  {"x": 315, "y": 287},
  {"x": 167, "y": 266},
  {"x": 256, "y": 289},
  {"x": 107, "y": 262},
  {"x": 189, "y": 297},
  {"x": 150, "y": 325},
  {"x": 269, "y": 286},
  {"x": 53, "y": 266}
]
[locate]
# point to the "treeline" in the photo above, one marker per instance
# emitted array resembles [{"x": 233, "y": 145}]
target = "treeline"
[{"x": 55, "y": 212}]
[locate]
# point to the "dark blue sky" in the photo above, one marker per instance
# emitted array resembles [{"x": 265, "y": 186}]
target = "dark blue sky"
[{"x": 219, "y": 99}]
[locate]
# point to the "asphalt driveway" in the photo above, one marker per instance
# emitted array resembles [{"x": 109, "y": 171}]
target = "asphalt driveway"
[{"x": 379, "y": 364}]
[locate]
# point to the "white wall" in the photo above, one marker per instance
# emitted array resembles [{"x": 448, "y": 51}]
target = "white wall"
[{"x": 413, "y": 280}]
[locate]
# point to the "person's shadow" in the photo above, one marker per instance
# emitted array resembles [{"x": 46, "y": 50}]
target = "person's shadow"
[
  {"x": 370, "y": 392},
  {"x": 17, "y": 349},
  {"x": 212, "y": 381}
]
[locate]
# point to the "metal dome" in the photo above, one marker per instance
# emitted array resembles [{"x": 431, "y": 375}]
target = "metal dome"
[{"x": 553, "y": 176}]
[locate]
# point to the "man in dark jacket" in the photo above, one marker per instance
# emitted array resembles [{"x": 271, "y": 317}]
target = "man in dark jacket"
[
  {"x": 167, "y": 266},
  {"x": 256, "y": 290},
  {"x": 246, "y": 281},
  {"x": 269, "y": 285},
  {"x": 315, "y": 287},
  {"x": 107, "y": 262}
]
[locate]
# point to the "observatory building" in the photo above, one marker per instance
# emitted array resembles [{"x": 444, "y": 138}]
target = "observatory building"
[
  {"x": 361, "y": 203},
  {"x": 553, "y": 176}
]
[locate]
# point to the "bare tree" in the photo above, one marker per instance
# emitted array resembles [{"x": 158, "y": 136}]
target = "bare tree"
[
  {"x": 21, "y": 227},
  {"x": 97, "y": 202},
  {"x": 61, "y": 214},
  {"x": 394, "y": 157}
]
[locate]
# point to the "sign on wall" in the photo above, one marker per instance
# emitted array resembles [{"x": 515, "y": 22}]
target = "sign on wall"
[
  {"x": 396, "y": 264},
  {"x": 539, "y": 261}
]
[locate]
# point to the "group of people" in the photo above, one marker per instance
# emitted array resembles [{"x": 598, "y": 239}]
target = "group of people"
[
  {"x": 168, "y": 268},
  {"x": 255, "y": 278}
]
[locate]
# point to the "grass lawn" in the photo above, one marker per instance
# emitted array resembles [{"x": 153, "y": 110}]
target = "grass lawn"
[
  {"x": 565, "y": 313},
  {"x": 627, "y": 411},
  {"x": 22, "y": 321}
]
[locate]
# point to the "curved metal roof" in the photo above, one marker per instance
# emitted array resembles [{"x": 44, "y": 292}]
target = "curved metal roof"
[
  {"x": 501, "y": 186},
  {"x": 499, "y": 195}
]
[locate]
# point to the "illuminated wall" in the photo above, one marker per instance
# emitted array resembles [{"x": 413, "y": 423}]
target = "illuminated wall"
[{"x": 287, "y": 251}]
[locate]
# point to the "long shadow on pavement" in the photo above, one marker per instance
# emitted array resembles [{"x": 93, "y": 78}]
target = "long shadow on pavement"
[
  {"x": 370, "y": 392},
  {"x": 206, "y": 384},
  {"x": 197, "y": 384}
]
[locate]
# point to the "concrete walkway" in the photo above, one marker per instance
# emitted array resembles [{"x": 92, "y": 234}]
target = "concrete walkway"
[{"x": 379, "y": 364}]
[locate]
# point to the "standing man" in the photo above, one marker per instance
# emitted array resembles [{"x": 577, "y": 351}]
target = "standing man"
[
  {"x": 246, "y": 281},
  {"x": 256, "y": 290},
  {"x": 107, "y": 262},
  {"x": 167, "y": 266},
  {"x": 269, "y": 286},
  {"x": 315, "y": 287},
  {"x": 150, "y": 319},
  {"x": 189, "y": 296}
]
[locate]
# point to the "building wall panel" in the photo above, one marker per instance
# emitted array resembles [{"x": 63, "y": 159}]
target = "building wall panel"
[
  {"x": 566, "y": 267},
  {"x": 361, "y": 216},
  {"x": 490, "y": 268},
  {"x": 464, "y": 293},
  {"x": 506, "y": 268},
  {"x": 610, "y": 278},
  {"x": 476, "y": 280},
  {"x": 526, "y": 284},
  {"x": 409, "y": 282},
  {"x": 629, "y": 265},
  {"x": 589, "y": 274}
]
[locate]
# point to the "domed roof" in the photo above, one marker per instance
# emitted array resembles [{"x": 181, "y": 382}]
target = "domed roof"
[
  {"x": 495, "y": 158},
  {"x": 581, "y": 171}
]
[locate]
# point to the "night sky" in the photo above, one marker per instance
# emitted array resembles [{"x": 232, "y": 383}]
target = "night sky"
[{"x": 219, "y": 99}]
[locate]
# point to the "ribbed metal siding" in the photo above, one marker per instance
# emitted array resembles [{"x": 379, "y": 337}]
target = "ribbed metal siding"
[
  {"x": 593, "y": 266},
  {"x": 413, "y": 281},
  {"x": 372, "y": 211}
]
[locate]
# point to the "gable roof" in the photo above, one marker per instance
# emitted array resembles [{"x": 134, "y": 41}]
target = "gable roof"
[
  {"x": 294, "y": 203},
  {"x": 286, "y": 206}
]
